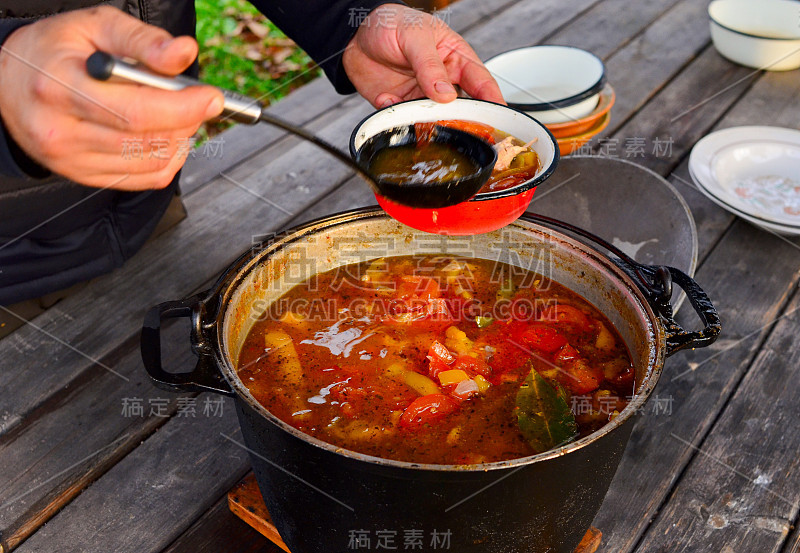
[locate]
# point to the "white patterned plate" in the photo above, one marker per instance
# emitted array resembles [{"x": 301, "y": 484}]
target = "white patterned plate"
[{"x": 753, "y": 172}]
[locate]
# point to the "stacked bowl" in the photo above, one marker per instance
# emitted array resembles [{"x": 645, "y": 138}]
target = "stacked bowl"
[
  {"x": 563, "y": 87},
  {"x": 764, "y": 34}
]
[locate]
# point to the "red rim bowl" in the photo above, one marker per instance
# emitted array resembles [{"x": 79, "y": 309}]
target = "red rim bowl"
[{"x": 486, "y": 211}]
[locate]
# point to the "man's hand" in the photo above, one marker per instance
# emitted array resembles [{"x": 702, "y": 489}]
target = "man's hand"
[
  {"x": 399, "y": 54},
  {"x": 81, "y": 128}
]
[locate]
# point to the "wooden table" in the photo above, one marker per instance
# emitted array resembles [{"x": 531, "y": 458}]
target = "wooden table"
[{"x": 94, "y": 458}]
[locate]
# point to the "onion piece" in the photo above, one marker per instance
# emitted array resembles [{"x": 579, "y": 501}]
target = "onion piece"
[{"x": 466, "y": 389}]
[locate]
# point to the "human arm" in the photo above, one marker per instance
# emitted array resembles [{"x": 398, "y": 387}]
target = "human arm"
[
  {"x": 417, "y": 55},
  {"x": 77, "y": 127},
  {"x": 388, "y": 52}
]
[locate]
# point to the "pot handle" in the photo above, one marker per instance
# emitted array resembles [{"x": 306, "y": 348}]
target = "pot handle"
[
  {"x": 655, "y": 282},
  {"x": 206, "y": 376},
  {"x": 658, "y": 289}
]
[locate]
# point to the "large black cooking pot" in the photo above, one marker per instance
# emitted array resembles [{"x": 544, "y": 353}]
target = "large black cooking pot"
[{"x": 326, "y": 499}]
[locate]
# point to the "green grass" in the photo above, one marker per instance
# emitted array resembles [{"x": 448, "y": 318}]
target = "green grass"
[{"x": 242, "y": 51}]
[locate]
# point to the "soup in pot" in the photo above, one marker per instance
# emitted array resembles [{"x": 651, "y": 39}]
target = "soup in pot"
[{"x": 436, "y": 359}]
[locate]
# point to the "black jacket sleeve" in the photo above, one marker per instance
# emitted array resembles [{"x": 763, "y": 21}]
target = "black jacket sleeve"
[
  {"x": 322, "y": 28},
  {"x": 13, "y": 161}
]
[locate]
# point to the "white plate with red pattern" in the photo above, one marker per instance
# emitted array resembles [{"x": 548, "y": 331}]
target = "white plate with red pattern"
[{"x": 753, "y": 172}]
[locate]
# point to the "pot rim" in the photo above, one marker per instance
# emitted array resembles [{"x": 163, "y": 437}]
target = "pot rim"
[{"x": 238, "y": 272}]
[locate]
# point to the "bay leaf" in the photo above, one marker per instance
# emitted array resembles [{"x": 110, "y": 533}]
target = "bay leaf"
[{"x": 543, "y": 416}]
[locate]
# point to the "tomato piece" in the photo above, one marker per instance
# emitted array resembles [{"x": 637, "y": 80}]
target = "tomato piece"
[
  {"x": 427, "y": 410},
  {"x": 422, "y": 287},
  {"x": 543, "y": 338},
  {"x": 506, "y": 182},
  {"x": 422, "y": 313},
  {"x": 522, "y": 309},
  {"x": 473, "y": 127},
  {"x": 439, "y": 351},
  {"x": 435, "y": 366},
  {"x": 567, "y": 353},
  {"x": 350, "y": 395},
  {"x": 424, "y": 132},
  {"x": 568, "y": 315},
  {"x": 439, "y": 359},
  {"x": 579, "y": 377},
  {"x": 515, "y": 330},
  {"x": 506, "y": 356},
  {"x": 459, "y": 308},
  {"x": 575, "y": 373},
  {"x": 624, "y": 380},
  {"x": 472, "y": 365}
]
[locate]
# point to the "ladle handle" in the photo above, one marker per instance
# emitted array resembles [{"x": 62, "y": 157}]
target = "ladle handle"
[{"x": 103, "y": 66}]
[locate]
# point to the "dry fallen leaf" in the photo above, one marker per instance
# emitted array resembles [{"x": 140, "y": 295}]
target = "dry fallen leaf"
[{"x": 257, "y": 29}]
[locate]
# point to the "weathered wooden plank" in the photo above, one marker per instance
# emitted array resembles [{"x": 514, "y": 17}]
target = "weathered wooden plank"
[
  {"x": 608, "y": 26},
  {"x": 772, "y": 101},
  {"x": 793, "y": 545},
  {"x": 648, "y": 62},
  {"x": 146, "y": 500},
  {"x": 303, "y": 106},
  {"x": 750, "y": 288},
  {"x": 465, "y": 15},
  {"x": 749, "y": 275},
  {"x": 769, "y": 101},
  {"x": 671, "y": 124},
  {"x": 74, "y": 437},
  {"x": 741, "y": 491},
  {"x": 350, "y": 195},
  {"x": 220, "y": 530},
  {"x": 242, "y": 141},
  {"x": 523, "y": 24}
]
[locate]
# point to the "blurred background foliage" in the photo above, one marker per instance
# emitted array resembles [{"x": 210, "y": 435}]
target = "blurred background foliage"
[{"x": 241, "y": 50}]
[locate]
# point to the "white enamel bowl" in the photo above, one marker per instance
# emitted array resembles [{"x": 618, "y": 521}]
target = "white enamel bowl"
[
  {"x": 554, "y": 84},
  {"x": 764, "y": 34}
]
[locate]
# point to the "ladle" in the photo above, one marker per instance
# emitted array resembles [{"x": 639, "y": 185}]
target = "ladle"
[{"x": 103, "y": 66}]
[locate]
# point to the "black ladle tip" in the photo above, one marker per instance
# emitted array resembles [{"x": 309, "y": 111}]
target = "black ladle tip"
[
  {"x": 431, "y": 195},
  {"x": 100, "y": 65}
]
